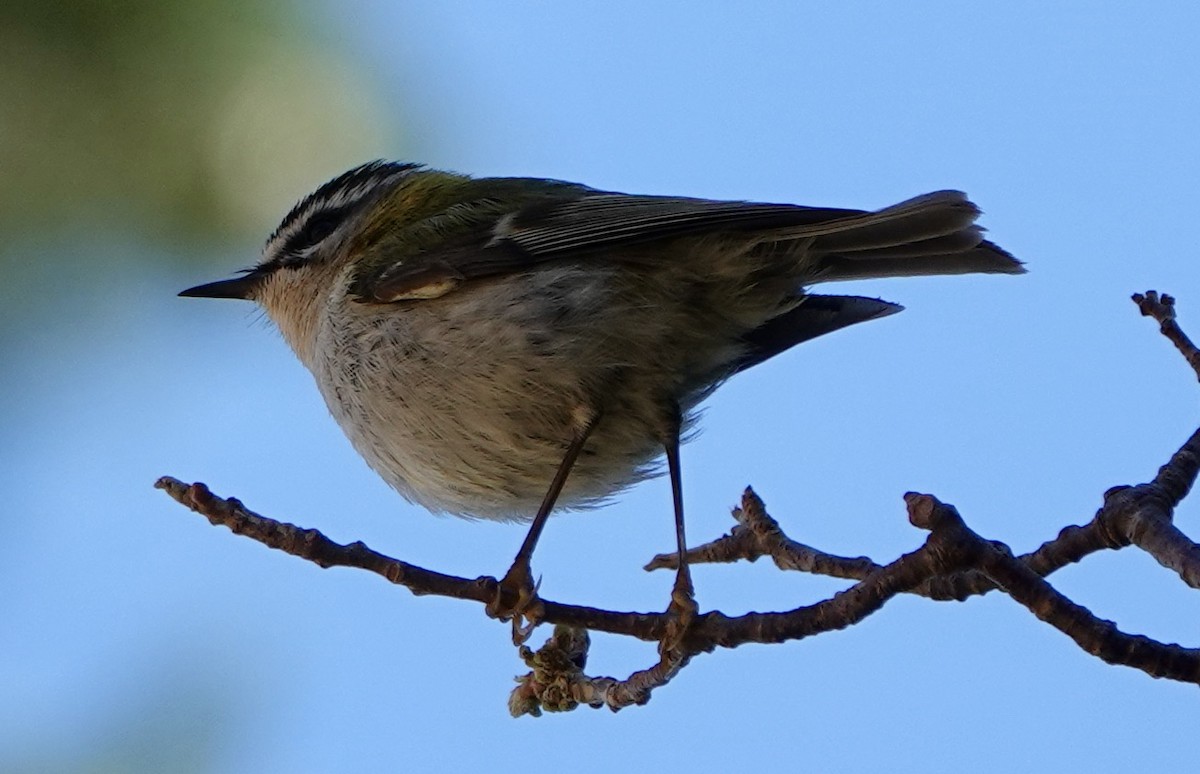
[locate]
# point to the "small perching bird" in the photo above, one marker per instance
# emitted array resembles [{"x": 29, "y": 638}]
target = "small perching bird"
[{"x": 497, "y": 347}]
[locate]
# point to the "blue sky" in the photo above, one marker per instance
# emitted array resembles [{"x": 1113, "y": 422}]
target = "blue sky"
[{"x": 1018, "y": 399}]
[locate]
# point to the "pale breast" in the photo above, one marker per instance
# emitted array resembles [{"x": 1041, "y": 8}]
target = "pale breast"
[{"x": 466, "y": 404}]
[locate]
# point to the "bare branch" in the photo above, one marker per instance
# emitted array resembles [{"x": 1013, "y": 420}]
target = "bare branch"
[
  {"x": 310, "y": 544},
  {"x": 1138, "y": 515},
  {"x": 1162, "y": 309},
  {"x": 1097, "y": 636},
  {"x": 757, "y": 535},
  {"x": 950, "y": 548}
]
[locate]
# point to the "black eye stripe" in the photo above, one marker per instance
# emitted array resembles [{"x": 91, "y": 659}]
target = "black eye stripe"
[
  {"x": 318, "y": 226},
  {"x": 319, "y": 214}
]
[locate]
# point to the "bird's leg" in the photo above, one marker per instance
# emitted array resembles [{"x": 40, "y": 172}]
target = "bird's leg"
[
  {"x": 682, "y": 610},
  {"x": 516, "y": 596}
]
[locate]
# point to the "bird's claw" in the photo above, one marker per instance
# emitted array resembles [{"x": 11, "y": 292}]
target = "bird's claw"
[
  {"x": 517, "y": 600},
  {"x": 681, "y": 614}
]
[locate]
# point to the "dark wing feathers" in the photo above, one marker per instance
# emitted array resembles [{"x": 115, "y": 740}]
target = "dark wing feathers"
[
  {"x": 558, "y": 220},
  {"x": 599, "y": 220},
  {"x": 516, "y": 223}
]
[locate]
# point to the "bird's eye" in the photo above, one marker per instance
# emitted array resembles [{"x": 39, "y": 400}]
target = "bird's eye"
[
  {"x": 297, "y": 248},
  {"x": 315, "y": 230}
]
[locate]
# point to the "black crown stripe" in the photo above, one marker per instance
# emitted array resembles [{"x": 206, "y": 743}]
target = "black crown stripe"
[{"x": 346, "y": 181}]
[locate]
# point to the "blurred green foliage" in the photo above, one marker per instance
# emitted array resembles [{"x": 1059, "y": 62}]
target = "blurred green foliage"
[{"x": 173, "y": 123}]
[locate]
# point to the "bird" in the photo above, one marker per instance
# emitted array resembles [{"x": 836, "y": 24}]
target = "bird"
[{"x": 505, "y": 347}]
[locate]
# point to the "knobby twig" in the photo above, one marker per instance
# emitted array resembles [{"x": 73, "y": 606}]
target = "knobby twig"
[
  {"x": 1131, "y": 515},
  {"x": 558, "y": 683},
  {"x": 1162, "y": 309},
  {"x": 953, "y": 563}
]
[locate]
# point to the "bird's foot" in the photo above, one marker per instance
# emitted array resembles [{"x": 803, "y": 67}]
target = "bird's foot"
[
  {"x": 681, "y": 613},
  {"x": 517, "y": 600}
]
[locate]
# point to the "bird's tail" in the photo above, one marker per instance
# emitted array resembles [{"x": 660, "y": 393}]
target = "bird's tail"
[{"x": 930, "y": 234}]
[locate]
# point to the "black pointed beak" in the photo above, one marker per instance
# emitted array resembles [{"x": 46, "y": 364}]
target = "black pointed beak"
[{"x": 238, "y": 287}]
